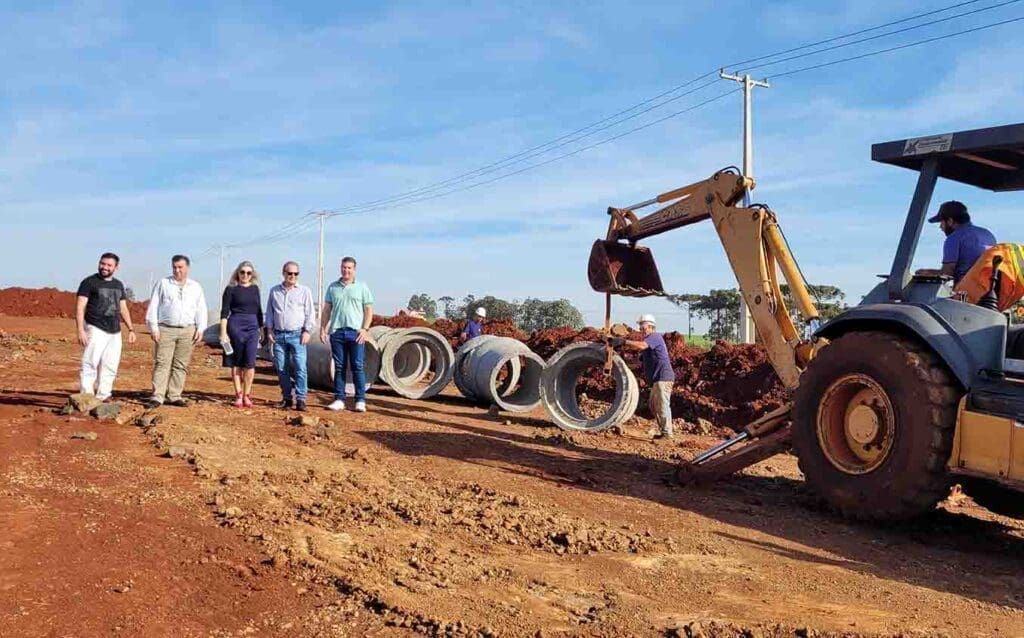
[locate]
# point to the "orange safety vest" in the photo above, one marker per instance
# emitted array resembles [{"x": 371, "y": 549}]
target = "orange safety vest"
[{"x": 978, "y": 279}]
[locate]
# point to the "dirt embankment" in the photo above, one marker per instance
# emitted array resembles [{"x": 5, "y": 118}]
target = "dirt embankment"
[{"x": 50, "y": 302}]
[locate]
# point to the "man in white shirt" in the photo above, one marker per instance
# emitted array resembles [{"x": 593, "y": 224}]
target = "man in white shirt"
[{"x": 176, "y": 318}]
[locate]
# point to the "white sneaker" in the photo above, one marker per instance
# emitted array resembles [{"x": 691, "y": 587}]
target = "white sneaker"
[
  {"x": 360, "y": 406},
  {"x": 337, "y": 406}
]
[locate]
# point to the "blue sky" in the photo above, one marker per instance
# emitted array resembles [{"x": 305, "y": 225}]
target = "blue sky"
[{"x": 151, "y": 129}]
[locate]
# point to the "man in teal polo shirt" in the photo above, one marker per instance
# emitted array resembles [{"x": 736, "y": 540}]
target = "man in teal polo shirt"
[{"x": 345, "y": 324}]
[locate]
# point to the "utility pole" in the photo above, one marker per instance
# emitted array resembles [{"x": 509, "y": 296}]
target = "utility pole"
[
  {"x": 746, "y": 328},
  {"x": 221, "y": 267},
  {"x": 323, "y": 215}
]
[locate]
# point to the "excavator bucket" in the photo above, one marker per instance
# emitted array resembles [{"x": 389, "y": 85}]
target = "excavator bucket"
[{"x": 621, "y": 269}]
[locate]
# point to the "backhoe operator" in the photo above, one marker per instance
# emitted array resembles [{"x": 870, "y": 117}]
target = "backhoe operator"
[{"x": 964, "y": 242}]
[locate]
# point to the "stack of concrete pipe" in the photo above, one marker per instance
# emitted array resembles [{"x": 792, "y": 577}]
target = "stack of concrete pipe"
[
  {"x": 561, "y": 376},
  {"x": 417, "y": 363},
  {"x": 479, "y": 364}
]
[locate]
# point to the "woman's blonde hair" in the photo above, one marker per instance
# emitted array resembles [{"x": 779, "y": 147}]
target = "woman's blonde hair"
[{"x": 234, "y": 281}]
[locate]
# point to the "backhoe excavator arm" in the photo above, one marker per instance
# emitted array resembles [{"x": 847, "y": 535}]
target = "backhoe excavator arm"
[
  {"x": 753, "y": 242},
  {"x": 757, "y": 252}
]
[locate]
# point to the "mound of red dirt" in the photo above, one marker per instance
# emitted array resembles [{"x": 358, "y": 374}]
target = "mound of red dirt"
[
  {"x": 50, "y": 302},
  {"x": 400, "y": 321},
  {"x": 730, "y": 385},
  {"x": 453, "y": 329}
]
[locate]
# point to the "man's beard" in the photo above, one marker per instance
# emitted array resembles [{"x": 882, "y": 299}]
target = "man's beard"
[{"x": 948, "y": 230}]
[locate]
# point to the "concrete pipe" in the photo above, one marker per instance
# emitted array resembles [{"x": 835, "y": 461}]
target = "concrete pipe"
[
  {"x": 411, "y": 372},
  {"x": 320, "y": 367},
  {"x": 499, "y": 371},
  {"x": 462, "y": 362},
  {"x": 561, "y": 377},
  {"x": 211, "y": 336}
]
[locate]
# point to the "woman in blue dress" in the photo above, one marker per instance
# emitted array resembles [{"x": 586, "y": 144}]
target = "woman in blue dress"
[{"x": 241, "y": 324}]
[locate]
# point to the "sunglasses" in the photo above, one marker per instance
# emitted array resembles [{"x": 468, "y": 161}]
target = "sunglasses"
[
  {"x": 292, "y": 274},
  {"x": 245, "y": 272}
]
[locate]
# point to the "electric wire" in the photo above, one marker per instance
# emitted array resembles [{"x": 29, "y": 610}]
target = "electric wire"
[
  {"x": 880, "y": 35},
  {"x": 606, "y": 123},
  {"x": 430, "y": 191},
  {"x": 549, "y": 160}
]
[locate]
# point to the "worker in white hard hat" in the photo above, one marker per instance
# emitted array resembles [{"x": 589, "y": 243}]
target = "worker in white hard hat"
[
  {"x": 657, "y": 372},
  {"x": 475, "y": 325}
]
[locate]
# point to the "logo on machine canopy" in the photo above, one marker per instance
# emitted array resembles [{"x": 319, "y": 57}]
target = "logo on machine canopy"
[{"x": 930, "y": 144}]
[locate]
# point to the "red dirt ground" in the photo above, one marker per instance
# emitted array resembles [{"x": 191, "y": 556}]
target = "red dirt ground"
[{"x": 430, "y": 518}]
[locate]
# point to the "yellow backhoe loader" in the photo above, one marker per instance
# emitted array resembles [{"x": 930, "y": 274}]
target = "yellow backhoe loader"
[{"x": 893, "y": 399}]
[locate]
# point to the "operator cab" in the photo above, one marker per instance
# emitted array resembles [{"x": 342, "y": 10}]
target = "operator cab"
[{"x": 971, "y": 339}]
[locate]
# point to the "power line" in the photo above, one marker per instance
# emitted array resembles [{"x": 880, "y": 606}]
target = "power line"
[
  {"x": 854, "y": 33},
  {"x": 547, "y": 161},
  {"x": 285, "y": 232},
  {"x": 880, "y": 35},
  {"x": 898, "y": 48},
  {"x": 583, "y": 132},
  {"x": 675, "y": 114},
  {"x": 443, "y": 188},
  {"x": 563, "y": 141}
]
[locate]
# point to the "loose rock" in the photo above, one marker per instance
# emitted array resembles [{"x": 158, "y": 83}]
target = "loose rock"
[
  {"x": 80, "y": 402},
  {"x": 148, "y": 419},
  {"x": 305, "y": 421},
  {"x": 180, "y": 452},
  {"x": 88, "y": 436},
  {"x": 106, "y": 411}
]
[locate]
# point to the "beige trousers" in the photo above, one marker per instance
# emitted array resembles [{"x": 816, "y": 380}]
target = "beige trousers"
[
  {"x": 173, "y": 353},
  {"x": 660, "y": 404}
]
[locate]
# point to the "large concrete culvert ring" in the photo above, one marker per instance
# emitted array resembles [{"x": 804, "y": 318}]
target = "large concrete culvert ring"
[
  {"x": 500, "y": 371},
  {"x": 561, "y": 377},
  {"x": 417, "y": 363},
  {"x": 320, "y": 367}
]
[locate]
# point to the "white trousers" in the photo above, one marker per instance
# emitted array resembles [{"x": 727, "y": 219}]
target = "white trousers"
[{"x": 100, "y": 359}]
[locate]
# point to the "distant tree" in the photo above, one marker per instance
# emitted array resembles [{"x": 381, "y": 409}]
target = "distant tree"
[
  {"x": 829, "y": 300},
  {"x": 536, "y": 314},
  {"x": 722, "y": 309},
  {"x": 449, "y": 307},
  {"x": 686, "y": 300},
  {"x": 496, "y": 307},
  {"x": 425, "y": 304},
  {"x": 129, "y": 294}
]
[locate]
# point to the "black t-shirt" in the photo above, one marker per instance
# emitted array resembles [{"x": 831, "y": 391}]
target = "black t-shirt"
[{"x": 103, "y": 309}]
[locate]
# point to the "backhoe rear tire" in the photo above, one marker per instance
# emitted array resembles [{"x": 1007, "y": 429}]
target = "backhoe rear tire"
[{"x": 873, "y": 424}]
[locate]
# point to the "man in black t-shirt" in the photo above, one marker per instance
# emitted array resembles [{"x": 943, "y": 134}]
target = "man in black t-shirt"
[{"x": 100, "y": 308}]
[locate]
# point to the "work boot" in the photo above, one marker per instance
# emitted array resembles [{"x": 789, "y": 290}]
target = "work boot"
[
  {"x": 300, "y": 405},
  {"x": 284, "y": 404},
  {"x": 151, "y": 404},
  {"x": 178, "y": 403}
]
